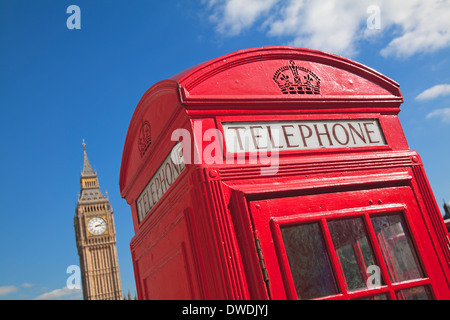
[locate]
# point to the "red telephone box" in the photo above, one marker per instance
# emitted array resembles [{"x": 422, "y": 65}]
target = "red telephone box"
[{"x": 280, "y": 173}]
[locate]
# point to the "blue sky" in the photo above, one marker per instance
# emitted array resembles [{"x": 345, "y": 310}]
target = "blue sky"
[{"x": 59, "y": 86}]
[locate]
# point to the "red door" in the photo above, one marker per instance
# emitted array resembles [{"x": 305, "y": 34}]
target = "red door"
[{"x": 364, "y": 244}]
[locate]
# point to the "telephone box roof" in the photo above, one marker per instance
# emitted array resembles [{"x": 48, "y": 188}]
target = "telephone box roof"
[{"x": 266, "y": 79}]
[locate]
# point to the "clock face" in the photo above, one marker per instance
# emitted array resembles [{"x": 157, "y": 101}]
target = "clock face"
[{"x": 97, "y": 226}]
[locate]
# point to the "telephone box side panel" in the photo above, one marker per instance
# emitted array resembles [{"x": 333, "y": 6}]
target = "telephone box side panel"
[
  {"x": 159, "y": 171},
  {"x": 178, "y": 242},
  {"x": 163, "y": 255},
  {"x": 137, "y": 279},
  {"x": 431, "y": 213},
  {"x": 158, "y": 108}
]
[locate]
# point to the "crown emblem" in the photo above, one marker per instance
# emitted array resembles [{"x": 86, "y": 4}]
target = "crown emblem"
[
  {"x": 145, "y": 138},
  {"x": 294, "y": 79}
]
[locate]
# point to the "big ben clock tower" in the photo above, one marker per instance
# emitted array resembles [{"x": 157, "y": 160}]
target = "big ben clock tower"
[{"x": 96, "y": 239}]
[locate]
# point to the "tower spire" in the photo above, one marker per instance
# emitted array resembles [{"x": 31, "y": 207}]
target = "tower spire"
[{"x": 87, "y": 168}]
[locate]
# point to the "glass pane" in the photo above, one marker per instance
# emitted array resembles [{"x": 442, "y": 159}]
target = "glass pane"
[
  {"x": 382, "y": 296},
  {"x": 309, "y": 262},
  {"x": 353, "y": 251},
  {"x": 397, "y": 248},
  {"x": 417, "y": 293}
]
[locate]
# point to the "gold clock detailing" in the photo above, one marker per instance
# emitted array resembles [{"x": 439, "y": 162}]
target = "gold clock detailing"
[{"x": 97, "y": 226}]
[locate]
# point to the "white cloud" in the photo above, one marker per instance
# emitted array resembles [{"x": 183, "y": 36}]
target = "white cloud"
[
  {"x": 233, "y": 16},
  {"x": 434, "y": 92},
  {"x": 424, "y": 26},
  {"x": 27, "y": 285},
  {"x": 58, "y": 294},
  {"x": 413, "y": 26},
  {"x": 5, "y": 290},
  {"x": 326, "y": 25},
  {"x": 444, "y": 114}
]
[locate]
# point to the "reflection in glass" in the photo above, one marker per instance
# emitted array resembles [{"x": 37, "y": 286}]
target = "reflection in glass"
[
  {"x": 308, "y": 261},
  {"x": 353, "y": 251},
  {"x": 416, "y": 293},
  {"x": 382, "y": 296},
  {"x": 397, "y": 249}
]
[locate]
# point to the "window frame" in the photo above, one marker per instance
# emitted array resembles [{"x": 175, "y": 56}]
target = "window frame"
[{"x": 388, "y": 288}]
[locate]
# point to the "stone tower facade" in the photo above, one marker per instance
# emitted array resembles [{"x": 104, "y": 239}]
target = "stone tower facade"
[{"x": 96, "y": 239}]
